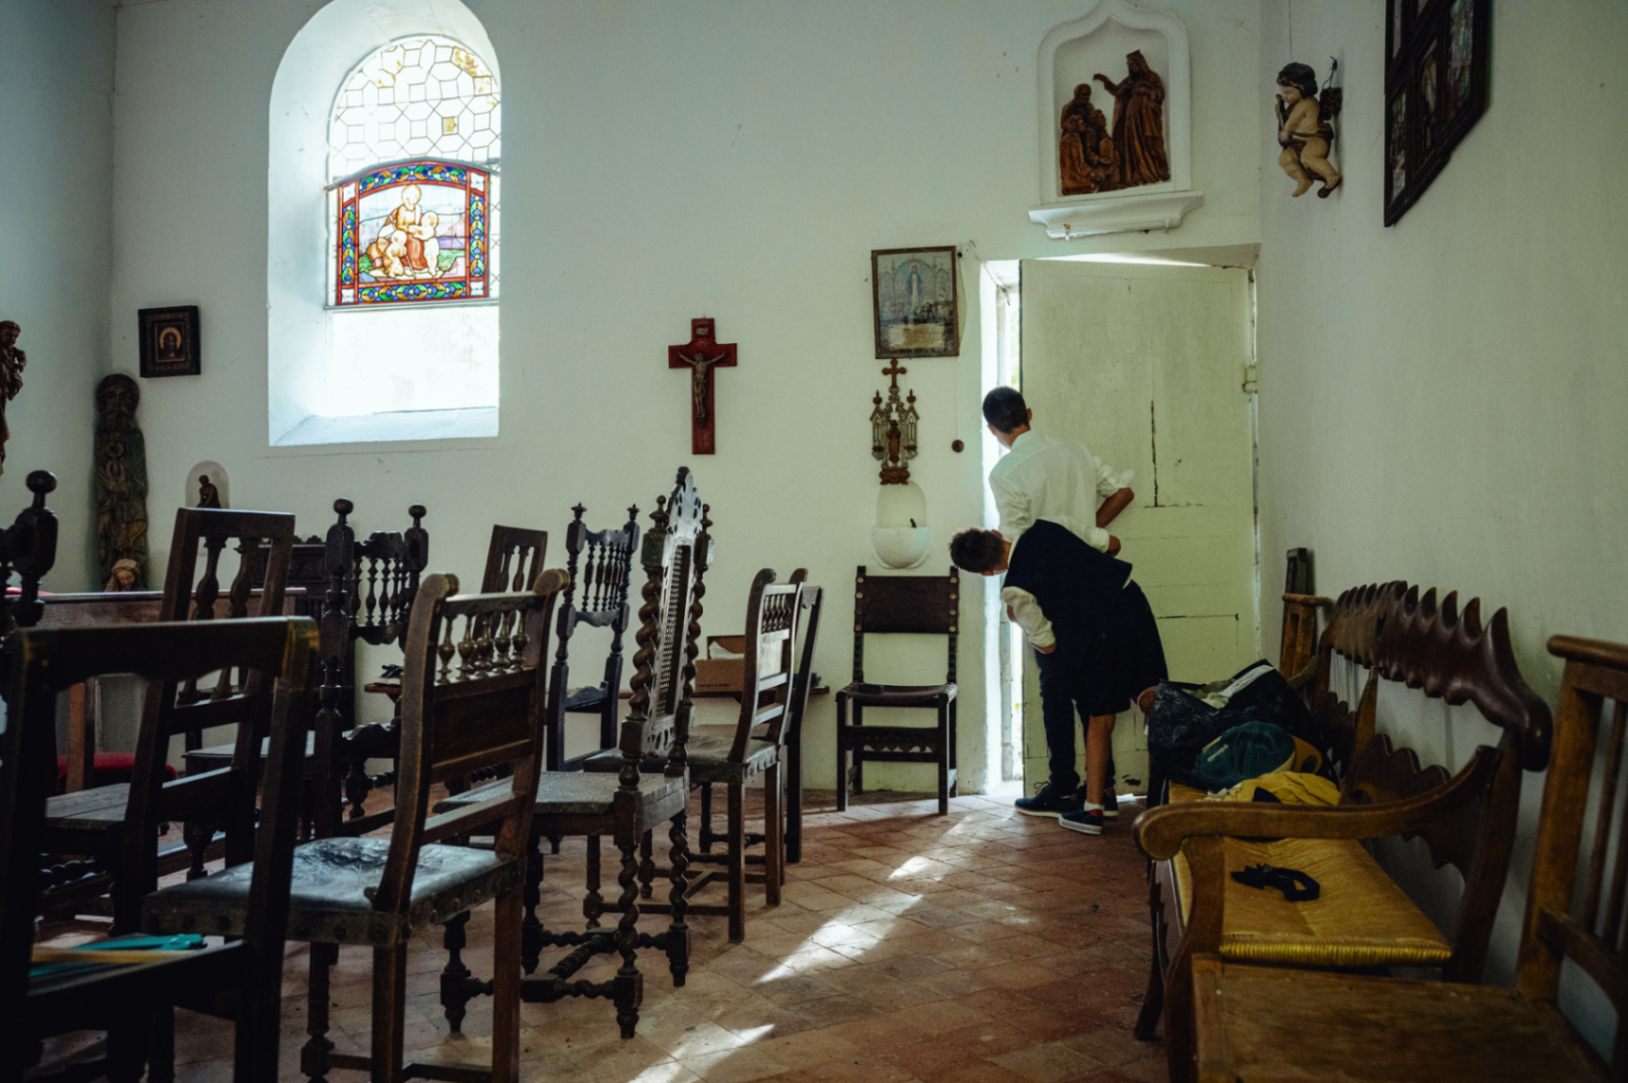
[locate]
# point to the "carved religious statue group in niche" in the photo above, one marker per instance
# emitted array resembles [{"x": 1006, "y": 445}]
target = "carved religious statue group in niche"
[{"x": 1092, "y": 157}]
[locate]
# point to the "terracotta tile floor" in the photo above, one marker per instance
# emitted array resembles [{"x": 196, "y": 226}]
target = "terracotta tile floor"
[{"x": 979, "y": 946}]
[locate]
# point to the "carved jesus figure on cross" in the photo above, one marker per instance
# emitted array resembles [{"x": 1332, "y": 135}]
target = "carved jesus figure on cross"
[{"x": 701, "y": 355}]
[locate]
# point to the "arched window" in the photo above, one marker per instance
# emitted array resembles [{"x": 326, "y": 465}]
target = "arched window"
[
  {"x": 413, "y": 219},
  {"x": 383, "y": 248}
]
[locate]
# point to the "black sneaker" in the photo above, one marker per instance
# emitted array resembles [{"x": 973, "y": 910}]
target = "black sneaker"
[
  {"x": 1048, "y": 802},
  {"x": 1087, "y": 821}
]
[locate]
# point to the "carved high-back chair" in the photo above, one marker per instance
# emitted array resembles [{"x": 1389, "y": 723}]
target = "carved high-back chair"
[
  {"x": 29, "y": 548},
  {"x": 473, "y": 689},
  {"x": 599, "y": 562},
  {"x": 371, "y": 586},
  {"x": 1253, "y": 1020},
  {"x": 132, "y": 1001},
  {"x": 107, "y": 825},
  {"x": 626, "y": 804},
  {"x": 889, "y": 604},
  {"x": 812, "y": 602}
]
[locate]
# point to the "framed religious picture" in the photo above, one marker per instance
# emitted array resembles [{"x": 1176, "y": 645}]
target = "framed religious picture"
[
  {"x": 917, "y": 302},
  {"x": 1435, "y": 90},
  {"x": 169, "y": 341}
]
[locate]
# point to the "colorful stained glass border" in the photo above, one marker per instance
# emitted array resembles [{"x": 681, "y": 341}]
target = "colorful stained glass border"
[{"x": 473, "y": 183}]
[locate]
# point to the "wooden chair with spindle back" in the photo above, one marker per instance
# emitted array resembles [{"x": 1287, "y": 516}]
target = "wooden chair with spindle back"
[
  {"x": 473, "y": 689},
  {"x": 28, "y": 547},
  {"x": 627, "y": 804},
  {"x": 599, "y": 562},
  {"x": 103, "y": 824}
]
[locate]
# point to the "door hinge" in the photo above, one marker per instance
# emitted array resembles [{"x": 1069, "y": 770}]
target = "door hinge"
[{"x": 1252, "y": 379}]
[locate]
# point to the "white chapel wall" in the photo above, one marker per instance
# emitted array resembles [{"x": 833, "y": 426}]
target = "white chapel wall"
[
  {"x": 1441, "y": 400},
  {"x": 55, "y": 201},
  {"x": 661, "y": 161}
]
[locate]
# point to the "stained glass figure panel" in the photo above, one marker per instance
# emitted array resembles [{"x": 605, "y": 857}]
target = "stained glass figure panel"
[{"x": 415, "y": 232}]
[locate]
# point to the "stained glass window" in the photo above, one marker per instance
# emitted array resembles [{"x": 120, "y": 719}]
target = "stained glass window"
[{"x": 413, "y": 144}]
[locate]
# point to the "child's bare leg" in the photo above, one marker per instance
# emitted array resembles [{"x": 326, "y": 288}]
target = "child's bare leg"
[
  {"x": 1315, "y": 159},
  {"x": 1290, "y": 161},
  {"x": 1098, "y": 743}
]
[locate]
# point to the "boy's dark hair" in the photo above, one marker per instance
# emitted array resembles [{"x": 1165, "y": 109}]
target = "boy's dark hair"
[
  {"x": 1301, "y": 77},
  {"x": 1005, "y": 409},
  {"x": 977, "y": 550}
]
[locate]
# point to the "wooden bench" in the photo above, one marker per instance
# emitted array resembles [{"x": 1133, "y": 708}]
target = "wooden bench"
[{"x": 1362, "y": 919}]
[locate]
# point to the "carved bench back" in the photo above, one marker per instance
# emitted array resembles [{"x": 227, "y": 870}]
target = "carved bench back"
[{"x": 1397, "y": 634}]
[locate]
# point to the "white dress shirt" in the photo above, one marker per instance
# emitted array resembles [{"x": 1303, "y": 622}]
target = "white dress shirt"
[{"x": 1048, "y": 477}]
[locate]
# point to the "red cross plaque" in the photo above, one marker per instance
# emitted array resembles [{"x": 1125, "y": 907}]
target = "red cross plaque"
[{"x": 701, "y": 355}]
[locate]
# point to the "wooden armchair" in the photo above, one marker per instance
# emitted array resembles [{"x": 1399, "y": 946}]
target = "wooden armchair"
[
  {"x": 242, "y": 977},
  {"x": 599, "y": 562},
  {"x": 625, "y": 805},
  {"x": 102, "y": 824},
  {"x": 890, "y": 604},
  {"x": 1255, "y": 1022},
  {"x": 473, "y": 690}
]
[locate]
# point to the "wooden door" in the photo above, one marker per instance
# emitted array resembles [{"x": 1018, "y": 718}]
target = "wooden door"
[{"x": 1147, "y": 366}]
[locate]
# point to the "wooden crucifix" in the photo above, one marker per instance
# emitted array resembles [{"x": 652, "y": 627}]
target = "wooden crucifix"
[{"x": 701, "y": 355}]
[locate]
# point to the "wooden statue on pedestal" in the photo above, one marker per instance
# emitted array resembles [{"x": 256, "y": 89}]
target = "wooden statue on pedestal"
[{"x": 121, "y": 479}]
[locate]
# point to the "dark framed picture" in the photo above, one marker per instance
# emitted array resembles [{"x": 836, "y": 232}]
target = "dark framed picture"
[
  {"x": 917, "y": 302},
  {"x": 169, "y": 341},
  {"x": 1435, "y": 90}
]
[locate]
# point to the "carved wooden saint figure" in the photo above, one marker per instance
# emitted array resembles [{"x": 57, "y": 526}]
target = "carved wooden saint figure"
[
  {"x": 701, "y": 355},
  {"x": 121, "y": 478},
  {"x": 208, "y": 493},
  {"x": 1085, "y": 152},
  {"x": 1138, "y": 124},
  {"x": 12, "y": 362}
]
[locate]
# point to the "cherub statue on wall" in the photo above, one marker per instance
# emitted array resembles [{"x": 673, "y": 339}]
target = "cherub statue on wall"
[{"x": 1305, "y": 129}]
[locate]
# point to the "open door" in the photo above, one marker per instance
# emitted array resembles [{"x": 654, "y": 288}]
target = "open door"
[{"x": 1147, "y": 366}]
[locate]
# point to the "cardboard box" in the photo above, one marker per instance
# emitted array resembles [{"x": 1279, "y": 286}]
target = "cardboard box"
[{"x": 717, "y": 676}]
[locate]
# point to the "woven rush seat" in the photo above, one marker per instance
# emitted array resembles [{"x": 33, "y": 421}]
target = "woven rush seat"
[
  {"x": 1361, "y": 917},
  {"x": 331, "y": 892},
  {"x": 581, "y": 793}
]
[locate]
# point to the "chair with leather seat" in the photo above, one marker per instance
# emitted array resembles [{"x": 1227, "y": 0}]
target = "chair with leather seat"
[
  {"x": 473, "y": 689},
  {"x": 626, "y": 804},
  {"x": 900, "y": 605}
]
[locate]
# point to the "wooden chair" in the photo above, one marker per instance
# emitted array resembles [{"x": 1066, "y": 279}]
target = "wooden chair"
[
  {"x": 473, "y": 691},
  {"x": 809, "y": 623},
  {"x": 626, "y": 805},
  {"x": 754, "y": 746},
  {"x": 1254, "y": 1022},
  {"x": 514, "y": 557},
  {"x": 1297, "y": 650},
  {"x": 242, "y": 976},
  {"x": 103, "y": 824},
  {"x": 891, "y": 604},
  {"x": 599, "y": 562}
]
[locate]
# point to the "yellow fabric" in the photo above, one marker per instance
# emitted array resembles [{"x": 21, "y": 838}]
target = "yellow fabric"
[
  {"x": 1287, "y": 787},
  {"x": 1361, "y": 918}
]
